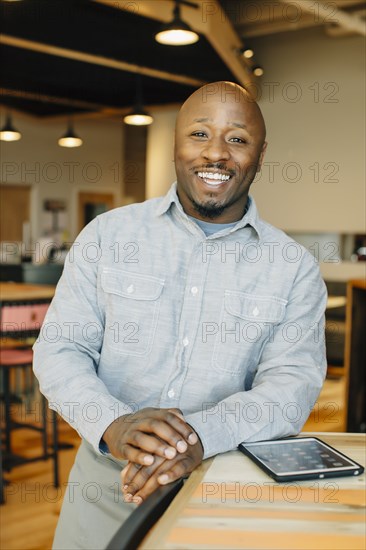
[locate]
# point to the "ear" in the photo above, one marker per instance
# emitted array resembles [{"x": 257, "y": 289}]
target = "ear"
[{"x": 261, "y": 156}]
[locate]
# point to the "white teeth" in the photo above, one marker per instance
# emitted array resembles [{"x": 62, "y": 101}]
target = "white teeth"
[{"x": 213, "y": 176}]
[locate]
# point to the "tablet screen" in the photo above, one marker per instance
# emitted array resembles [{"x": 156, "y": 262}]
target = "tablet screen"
[{"x": 298, "y": 456}]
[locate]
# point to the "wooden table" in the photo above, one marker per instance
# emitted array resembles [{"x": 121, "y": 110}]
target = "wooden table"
[
  {"x": 228, "y": 503},
  {"x": 336, "y": 301},
  {"x": 22, "y": 291}
]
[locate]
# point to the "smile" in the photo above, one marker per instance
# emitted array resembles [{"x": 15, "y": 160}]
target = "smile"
[{"x": 213, "y": 178}]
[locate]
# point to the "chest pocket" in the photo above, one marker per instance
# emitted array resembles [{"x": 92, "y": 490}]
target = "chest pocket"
[
  {"x": 247, "y": 323},
  {"x": 132, "y": 310}
]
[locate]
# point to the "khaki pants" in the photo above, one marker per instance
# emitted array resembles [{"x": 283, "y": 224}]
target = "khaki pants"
[{"x": 93, "y": 508}]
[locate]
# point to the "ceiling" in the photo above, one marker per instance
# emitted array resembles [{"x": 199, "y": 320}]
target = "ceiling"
[
  {"x": 271, "y": 17},
  {"x": 81, "y": 57}
]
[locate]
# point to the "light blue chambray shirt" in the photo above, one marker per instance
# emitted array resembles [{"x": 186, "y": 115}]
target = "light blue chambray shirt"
[{"x": 149, "y": 312}]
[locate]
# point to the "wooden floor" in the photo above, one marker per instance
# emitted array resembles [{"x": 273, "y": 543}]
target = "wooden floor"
[
  {"x": 329, "y": 413},
  {"x": 29, "y": 516}
]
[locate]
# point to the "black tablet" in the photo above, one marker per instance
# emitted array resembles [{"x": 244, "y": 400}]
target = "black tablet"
[{"x": 299, "y": 458}]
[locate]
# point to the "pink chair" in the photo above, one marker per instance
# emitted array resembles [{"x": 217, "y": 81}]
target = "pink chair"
[{"x": 20, "y": 325}]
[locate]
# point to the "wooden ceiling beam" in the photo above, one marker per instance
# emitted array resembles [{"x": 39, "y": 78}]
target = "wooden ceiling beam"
[
  {"x": 110, "y": 63},
  {"x": 96, "y": 110},
  {"x": 266, "y": 29},
  {"x": 328, "y": 13},
  {"x": 336, "y": 31},
  {"x": 209, "y": 20},
  {"x": 50, "y": 99}
]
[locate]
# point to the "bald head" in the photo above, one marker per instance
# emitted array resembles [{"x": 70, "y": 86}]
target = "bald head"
[
  {"x": 227, "y": 93},
  {"x": 219, "y": 148}
]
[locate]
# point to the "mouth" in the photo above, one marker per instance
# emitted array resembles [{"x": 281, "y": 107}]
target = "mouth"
[{"x": 214, "y": 178}]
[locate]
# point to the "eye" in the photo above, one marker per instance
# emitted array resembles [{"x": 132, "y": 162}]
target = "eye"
[
  {"x": 199, "y": 134},
  {"x": 237, "y": 140}
]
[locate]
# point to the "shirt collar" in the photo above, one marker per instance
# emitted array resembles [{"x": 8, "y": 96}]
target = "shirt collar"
[{"x": 250, "y": 217}]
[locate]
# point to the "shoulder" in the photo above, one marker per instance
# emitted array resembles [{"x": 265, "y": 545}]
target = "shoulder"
[
  {"x": 290, "y": 256},
  {"x": 131, "y": 211},
  {"x": 271, "y": 235}
]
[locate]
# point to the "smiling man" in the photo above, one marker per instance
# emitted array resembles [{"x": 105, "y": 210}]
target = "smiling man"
[{"x": 193, "y": 326}]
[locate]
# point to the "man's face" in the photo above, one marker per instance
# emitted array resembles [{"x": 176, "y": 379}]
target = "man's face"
[{"x": 218, "y": 150}]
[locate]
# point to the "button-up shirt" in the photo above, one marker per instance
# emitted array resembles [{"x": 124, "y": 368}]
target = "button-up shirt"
[{"x": 151, "y": 312}]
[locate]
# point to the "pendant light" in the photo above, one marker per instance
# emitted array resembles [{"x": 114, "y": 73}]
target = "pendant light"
[
  {"x": 138, "y": 116},
  {"x": 258, "y": 71},
  {"x": 177, "y": 32},
  {"x": 8, "y": 132},
  {"x": 247, "y": 52},
  {"x": 70, "y": 139}
]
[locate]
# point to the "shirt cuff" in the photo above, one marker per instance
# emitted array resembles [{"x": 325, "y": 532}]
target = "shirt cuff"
[
  {"x": 93, "y": 432},
  {"x": 103, "y": 448},
  {"x": 215, "y": 436}
]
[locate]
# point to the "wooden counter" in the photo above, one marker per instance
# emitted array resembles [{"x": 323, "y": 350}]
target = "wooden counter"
[
  {"x": 229, "y": 502},
  {"x": 22, "y": 291}
]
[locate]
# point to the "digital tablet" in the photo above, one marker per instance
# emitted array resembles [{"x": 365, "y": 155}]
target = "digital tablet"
[{"x": 299, "y": 458}]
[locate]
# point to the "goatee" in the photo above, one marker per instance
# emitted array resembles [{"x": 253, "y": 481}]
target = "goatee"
[{"x": 210, "y": 210}]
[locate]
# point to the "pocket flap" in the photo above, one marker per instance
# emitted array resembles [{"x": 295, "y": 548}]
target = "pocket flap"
[
  {"x": 255, "y": 308},
  {"x": 131, "y": 285}
]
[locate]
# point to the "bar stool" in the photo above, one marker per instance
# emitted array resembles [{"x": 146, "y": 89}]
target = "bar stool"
[
  {"x": 12, "y": 360},
  {"x": 16, "y": 359}
]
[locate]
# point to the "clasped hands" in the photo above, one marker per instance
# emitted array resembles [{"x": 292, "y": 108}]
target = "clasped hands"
[{"x": 160, "y": 447}]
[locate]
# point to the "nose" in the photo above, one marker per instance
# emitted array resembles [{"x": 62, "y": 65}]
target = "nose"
[{"x": 216, "y": 149}]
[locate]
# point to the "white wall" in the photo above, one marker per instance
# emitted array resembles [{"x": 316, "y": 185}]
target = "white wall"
[
  {"x": 312, "y": 98},
  {"x": 160, "y": 171},
  {"x": 320, "y": 136},
  {"x": 316, "y": 132},
  {"x": 56, "y": 172}
]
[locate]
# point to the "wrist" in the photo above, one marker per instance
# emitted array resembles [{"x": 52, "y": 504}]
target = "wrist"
[
  {"x": 110, "y": 434},
  {"x": 199, "y": 442}
]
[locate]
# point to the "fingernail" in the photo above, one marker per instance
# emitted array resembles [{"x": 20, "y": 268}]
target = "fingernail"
[
  {"x": 137, "y": 500},
  {"x": 128, "y": 497},
  {"x": 192, "y": 439},
  {"x": 124, "y": 488},
  {"x": 170, "y": 452},
  {"x": 182, "y": 446},
  {"x": 148, "y": 459},
  {"x": 163, "y": 479}
]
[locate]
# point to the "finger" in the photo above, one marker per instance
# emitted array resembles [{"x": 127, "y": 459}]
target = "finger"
[
  {"x": 181, "y": 425},
  {"x": 171, "y": 428},
  {"x": 178, "y": 412},
  {"x": 192, "y": 438},
  {"x": 151, "y": 445},
  {"x": 141, "y": 477},
  {"x": 149, "y": 487},
  {"x": 136, "y": 455},
  {"x": 168, "y": 472},
  {"x": 171, "y": 472},
  {"x": 129, "y": 472}
]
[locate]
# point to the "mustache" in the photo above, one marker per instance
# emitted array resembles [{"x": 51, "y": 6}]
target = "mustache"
[{"x": 213, "y": 166}]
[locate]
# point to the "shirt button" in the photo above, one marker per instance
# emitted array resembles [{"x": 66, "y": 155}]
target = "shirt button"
[
  {"x": 171, "y": 394},
  {"x": 194, "y": 290},
  {"x": 185, "y": 342},
  {"x": 130, "y": 289},
  {"x": 255, "y": 311}
]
